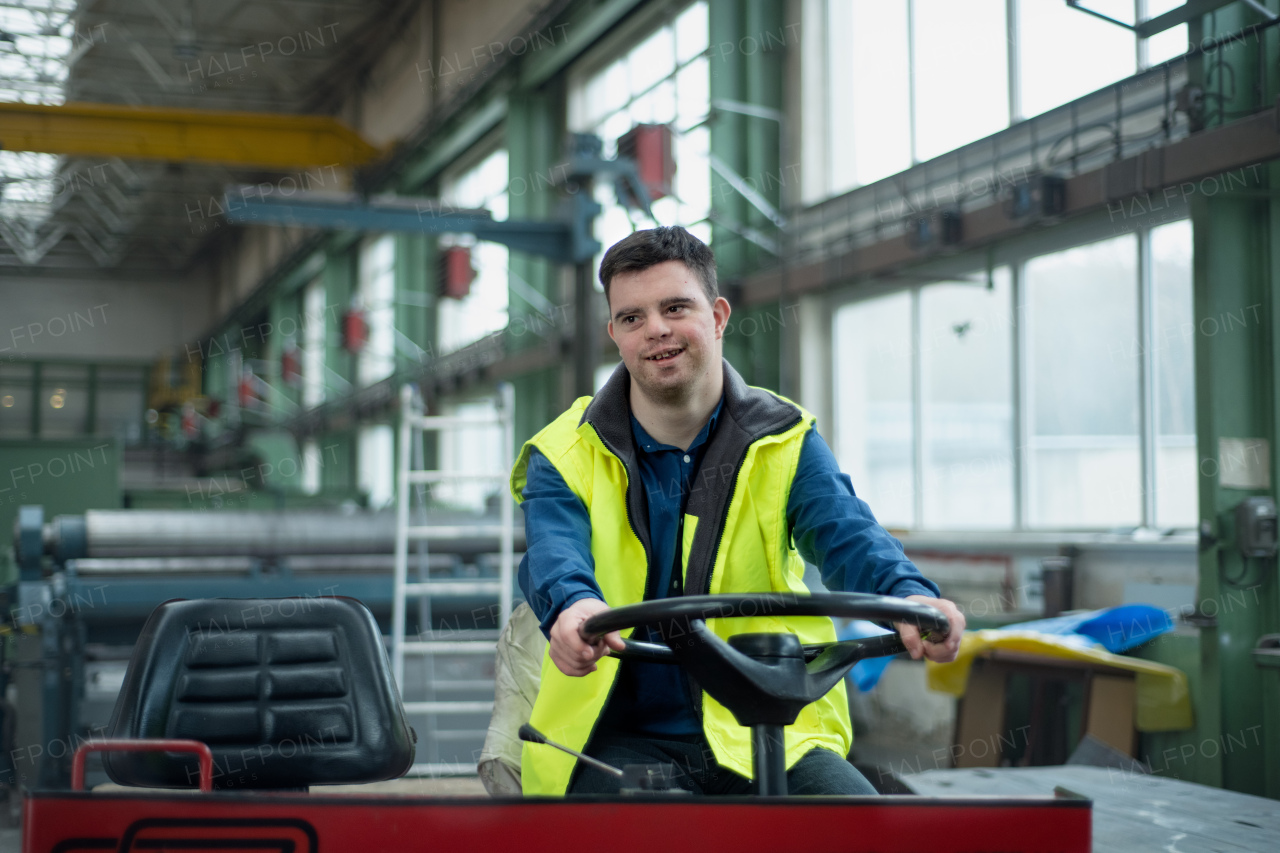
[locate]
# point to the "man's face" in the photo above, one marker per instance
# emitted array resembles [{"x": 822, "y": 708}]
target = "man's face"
[{"x": 667, "y": 332}]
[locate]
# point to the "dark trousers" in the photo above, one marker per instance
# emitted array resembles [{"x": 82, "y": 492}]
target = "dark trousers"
[{"x": 820, "y": 772}]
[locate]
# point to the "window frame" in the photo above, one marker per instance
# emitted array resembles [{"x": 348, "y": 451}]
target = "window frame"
[
  {"x": 1015, "y": 254},
  {"x": 818, "y": 117}
]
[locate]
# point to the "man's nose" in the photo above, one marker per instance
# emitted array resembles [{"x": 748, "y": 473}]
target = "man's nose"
[{"x": 658, "y": 326}]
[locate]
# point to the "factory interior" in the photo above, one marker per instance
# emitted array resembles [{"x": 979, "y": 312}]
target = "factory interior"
[{"x": 286, "y": 285}]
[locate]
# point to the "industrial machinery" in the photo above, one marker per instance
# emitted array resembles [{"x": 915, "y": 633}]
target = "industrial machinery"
[
  {"x": 88, "y": 582},
  {"x": 318, "y": 684}
]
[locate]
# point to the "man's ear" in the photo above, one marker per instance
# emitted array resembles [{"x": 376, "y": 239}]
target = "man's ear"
[
  {"x": 721, "y": 311},
  {"x": 610, "y": 328}
]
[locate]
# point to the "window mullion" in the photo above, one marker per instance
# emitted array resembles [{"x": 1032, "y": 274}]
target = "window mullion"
[
  {"x": 1021, "y": 396},
  {"x": 1146, "y": 379},
  {"x": 1015, "y": 72},
  {"x": 911, "y": 82},
  {"x": 917, "y": 413},
  {"x": 1139, "y": 43}
]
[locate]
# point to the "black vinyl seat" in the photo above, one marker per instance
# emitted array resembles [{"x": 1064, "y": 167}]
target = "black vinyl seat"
[{"x": 286, "y": 692}]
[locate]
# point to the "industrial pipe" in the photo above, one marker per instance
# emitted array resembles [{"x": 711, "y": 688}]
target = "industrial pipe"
[{"x": 182, "y": 533}]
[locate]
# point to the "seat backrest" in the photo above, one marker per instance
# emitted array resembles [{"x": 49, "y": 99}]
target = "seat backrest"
[{"x": 286, "y": 692}]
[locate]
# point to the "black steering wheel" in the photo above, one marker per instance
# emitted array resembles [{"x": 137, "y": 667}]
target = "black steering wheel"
[{"x": 764, "y": 680}]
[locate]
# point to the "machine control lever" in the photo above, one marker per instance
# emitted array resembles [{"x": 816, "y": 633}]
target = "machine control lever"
[
  {"x": 641, "y": 779},
  {"x": 532, "y": 735}
]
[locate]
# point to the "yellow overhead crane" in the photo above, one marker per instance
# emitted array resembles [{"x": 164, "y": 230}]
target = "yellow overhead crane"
[{"x": 263, "y": 140}]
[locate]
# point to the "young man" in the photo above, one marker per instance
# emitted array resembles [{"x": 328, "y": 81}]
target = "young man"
[{"x": 680, "y": 478}]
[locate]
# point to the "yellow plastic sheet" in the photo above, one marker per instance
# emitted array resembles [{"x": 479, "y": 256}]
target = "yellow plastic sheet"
[{"x": 1162, "y": 701}]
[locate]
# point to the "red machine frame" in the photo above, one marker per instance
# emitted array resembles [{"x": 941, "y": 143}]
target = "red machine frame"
[{"x": 258, "y": 822}]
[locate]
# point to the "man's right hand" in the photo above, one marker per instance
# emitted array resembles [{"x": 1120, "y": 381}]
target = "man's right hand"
[{"x": 572, "y": 654}]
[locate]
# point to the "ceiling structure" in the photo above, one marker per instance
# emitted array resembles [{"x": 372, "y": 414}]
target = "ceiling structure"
[{"x": 109, "y": 215}]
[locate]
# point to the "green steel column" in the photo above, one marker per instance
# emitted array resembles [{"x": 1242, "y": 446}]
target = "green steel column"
[
  {"x": 747, "y": 62},
  {"x": 726, "y": 26},
  {"x": 37, "y": 395},
  {"x": 535, "y": 137},
  {"x": 214, "y": 373},
  {"x": 91, "y": 412},
  {"x": 415, "y": 298},
  {"x": 283, "y": 314},
  {"x": 339, "y": 285},
  {"x": 339, "y": 276},
  {"x": 415, "y": 317},
  {"x": 1236, "y": 249}
]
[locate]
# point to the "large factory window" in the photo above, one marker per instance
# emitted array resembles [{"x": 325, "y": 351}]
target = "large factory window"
[
  {"x": 1083, "y": 459},
  {"x": 1065, "y": 54},
  {"x": 311, "y": 465},
  {"x": 377, "y": 298},
  {"x": 946, "y": 352},
  {"x": 483, "y": 310},
  {"x": 870, "y": 80},
  {"x": 377, "y": 457},
  {"x": 1171, "y": 42},
  {"x": 476, "y": 450},
  {"x": 935, "y": 433},
  {"x": 663, "y": 80},
  {"x": 966, "y": 358},
  {"x": 888, "y": 85},
  {"x": 961, "y": 73},
  {"x": 910, "y": 81},
  {"x": 874, "y": 436}
]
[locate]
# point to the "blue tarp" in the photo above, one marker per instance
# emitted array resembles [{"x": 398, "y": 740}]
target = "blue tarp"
[{"x": 1117, "y": 629}]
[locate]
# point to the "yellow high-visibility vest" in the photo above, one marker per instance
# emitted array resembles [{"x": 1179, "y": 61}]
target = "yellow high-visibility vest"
[{"x": 735, "y": 540}]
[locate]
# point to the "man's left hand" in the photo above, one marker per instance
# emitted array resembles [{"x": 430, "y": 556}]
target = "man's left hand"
[{"x": 944, "y": 651}]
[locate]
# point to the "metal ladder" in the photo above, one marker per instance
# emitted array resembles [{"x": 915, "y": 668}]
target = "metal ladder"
[{"x": 413, "y": 423}]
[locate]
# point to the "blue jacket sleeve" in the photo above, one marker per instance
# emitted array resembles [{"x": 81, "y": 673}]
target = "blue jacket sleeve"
[
  {"x": 834, "y": 529},
  {"x": 557, "y": 568}
]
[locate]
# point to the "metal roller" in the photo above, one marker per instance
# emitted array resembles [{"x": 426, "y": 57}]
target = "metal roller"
[
  {"x": 180, "y": 533},
  {"x": 177, "y": 533}
]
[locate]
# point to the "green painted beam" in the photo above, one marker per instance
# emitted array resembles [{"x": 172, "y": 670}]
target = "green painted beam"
[
  {"x": 576, "y": 35},
  {"x": 443, "y": 151},
  {"x": 1185, "y": 13}
]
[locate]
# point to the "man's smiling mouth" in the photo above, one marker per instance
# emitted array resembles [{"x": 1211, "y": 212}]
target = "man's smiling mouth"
[{"x": 665, "y": 355}]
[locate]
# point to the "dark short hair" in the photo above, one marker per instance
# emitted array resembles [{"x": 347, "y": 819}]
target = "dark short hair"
[{"x": 644, "y": 249}]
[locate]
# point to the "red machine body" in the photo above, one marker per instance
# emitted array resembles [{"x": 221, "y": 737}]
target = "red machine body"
[
  {"x": 219, "y": 819},
  {"x": 68, "y": 822}
]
